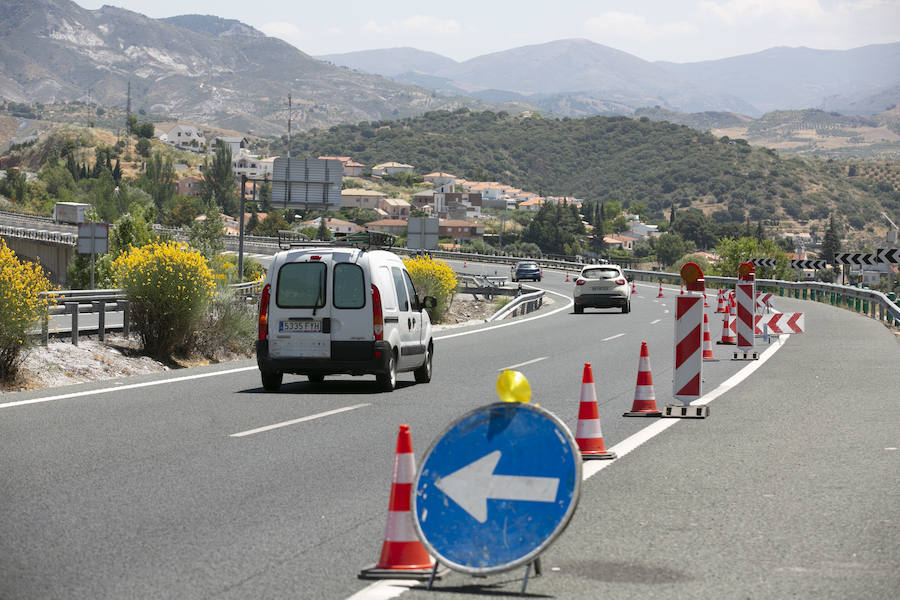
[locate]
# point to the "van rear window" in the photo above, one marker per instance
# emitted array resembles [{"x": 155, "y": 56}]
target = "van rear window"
[
  {"x": 301, "y": 285},
  {"x": 349, "y": 286}
]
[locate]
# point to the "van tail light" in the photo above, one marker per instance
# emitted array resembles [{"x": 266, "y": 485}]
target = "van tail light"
[
  {"x": 377, "y": 314},
  {"x": 580, "y": 281},
  {"x": 620, "y": 281},
  {"x": 264, "y": 313}
]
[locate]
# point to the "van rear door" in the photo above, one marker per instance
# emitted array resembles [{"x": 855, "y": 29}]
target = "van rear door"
[{"x": 299, "y": 314}]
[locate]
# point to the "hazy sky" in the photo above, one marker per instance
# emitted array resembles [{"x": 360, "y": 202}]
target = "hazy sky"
[{"x": 675, "y": 30}]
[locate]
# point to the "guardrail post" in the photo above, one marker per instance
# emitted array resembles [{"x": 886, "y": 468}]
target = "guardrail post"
[
  {"x": 804, "y": 293},
  {"x": 856, "y": 304},
  {"x": 892, "y": 297},
  {"x": 865, "y": 306},
  {"x": 126, "y": 313},
  {"x": 100, "y": 305},
  {"x": 781, "y": 291},
  {"x": 73, "y": 308}
]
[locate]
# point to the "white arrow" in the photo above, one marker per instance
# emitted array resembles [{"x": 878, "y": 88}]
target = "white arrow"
[{"x": 472, "y": 485}]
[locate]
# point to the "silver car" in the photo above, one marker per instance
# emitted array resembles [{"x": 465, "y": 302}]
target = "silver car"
[{"x": 601, "y": 286}]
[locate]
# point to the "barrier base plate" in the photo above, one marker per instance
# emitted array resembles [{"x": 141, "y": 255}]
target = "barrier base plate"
[
  {"x": 745, "y": 356},
  {"x": 652, "y": 413},
  {"x": 598, "y": 456},
  {"x": 686, "y": 412},
  {"x": 372, "y": 572},
  {"x": 721, "y": 343}
]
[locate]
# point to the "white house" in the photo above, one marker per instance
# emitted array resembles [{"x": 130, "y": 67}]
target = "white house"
[
  {"x": 391, "y": 168},
  {"x": 186, "y": 137}
]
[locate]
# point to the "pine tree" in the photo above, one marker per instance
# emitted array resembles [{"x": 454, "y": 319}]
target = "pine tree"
[{"x": 831, "y": 245}]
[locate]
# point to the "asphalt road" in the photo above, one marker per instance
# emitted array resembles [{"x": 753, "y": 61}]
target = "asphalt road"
[{"x": 140, "y": 489}]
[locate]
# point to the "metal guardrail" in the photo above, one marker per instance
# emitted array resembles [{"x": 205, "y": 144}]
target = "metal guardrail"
[
  {"x": 873, "y": 303},
  {"x": 56, "y": 237},
  {"x": 75, "y": 302},
  {"x": 525, "y": 303}
]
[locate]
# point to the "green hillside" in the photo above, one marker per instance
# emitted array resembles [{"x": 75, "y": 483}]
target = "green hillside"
[{"x": 614, "y": 159}]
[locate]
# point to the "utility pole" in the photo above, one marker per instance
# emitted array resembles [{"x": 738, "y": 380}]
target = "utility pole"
[{"x": 288, "y": 182}]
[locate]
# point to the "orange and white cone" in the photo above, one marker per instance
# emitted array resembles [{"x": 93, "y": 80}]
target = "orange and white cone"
[
  {"x": 588, "y": 433},
  {"x": 682, "y": 290},
  {"x": 705, "y": 304},
  {"x": 727, "y": 338},
  {"x": 644, "y": 397},
  {"x": 633, "y": 291},
  {"x": 660, "y": 294},
  {"x": 402, "y": 554},
  {"x": 707, "y": 342},
  {"x": 567, "y": 277},
  {"x": 720, "y": 303}
]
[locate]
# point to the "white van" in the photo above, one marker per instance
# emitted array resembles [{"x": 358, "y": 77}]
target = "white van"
[{"x": 342, "y": 310}]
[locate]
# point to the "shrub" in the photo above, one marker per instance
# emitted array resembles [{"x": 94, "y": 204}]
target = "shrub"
[
  {"x": 432, "y": 278},
  {"x": 21, "y": 305},
  {"x": 169, "y": 285},
  {"x": 229, "y": 325}
]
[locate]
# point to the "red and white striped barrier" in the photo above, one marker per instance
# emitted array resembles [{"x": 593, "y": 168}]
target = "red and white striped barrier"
[
  {"x": 688, "y": 340},
  {"x": 745, "y": 313},
  {"x": 780, "y": 323},
  {"x": 763, "y": 299}
]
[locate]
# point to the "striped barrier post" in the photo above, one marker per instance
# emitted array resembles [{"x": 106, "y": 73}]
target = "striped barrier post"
[
  {"x": 745, "y": 292},
  {"x": 688, "y": 345}
]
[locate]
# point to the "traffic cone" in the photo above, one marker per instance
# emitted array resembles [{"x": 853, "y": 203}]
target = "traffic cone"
[
  {"x": 660, "y": 294},
  {"x": 707, "y": 342},
  {"x": 705, "y": 304},
  {"x": 682, "y": 290},
  {"x": 633, "y": 291},
  {"x": 727, "y": 338},
  {"x": 402, "y": 554},
  {"x": 644, "y": 397},
  {"x": 720, "y": 303},
  {"x": 588, "y": 433},
  {"x": 465, "y": 264},
  {"x": 567, "y": 277}
]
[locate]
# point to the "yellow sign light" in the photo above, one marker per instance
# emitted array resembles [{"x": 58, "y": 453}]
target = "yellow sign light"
[{"x": 513, "y": 387}]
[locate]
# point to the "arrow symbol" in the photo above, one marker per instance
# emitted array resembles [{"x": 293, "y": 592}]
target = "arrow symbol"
[{"x": 471, "y": 486}]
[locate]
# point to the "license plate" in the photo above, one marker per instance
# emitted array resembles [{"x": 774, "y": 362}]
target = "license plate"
[{"x": 300, "y": 326}]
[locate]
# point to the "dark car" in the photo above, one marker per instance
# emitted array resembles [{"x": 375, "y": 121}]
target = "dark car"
[{"x": 526, "y": 269}]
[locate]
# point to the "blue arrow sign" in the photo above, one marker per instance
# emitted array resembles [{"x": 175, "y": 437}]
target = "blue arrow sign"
[{"x": 497, "y": 488}]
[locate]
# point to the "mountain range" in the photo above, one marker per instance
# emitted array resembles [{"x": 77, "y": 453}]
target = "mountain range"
[
  {"x": 579, "y": 76},
  {"x": 225, "y": 73}
]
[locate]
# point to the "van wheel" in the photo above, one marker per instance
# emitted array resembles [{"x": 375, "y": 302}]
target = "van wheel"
[
  {"x": 388, "y": 381},
  {"x": 423, "y": 373},
  {"x": 271, "y": 380},
  {"x": 316, "y": 377},
  {"x": 579, "y": 309},
  {"x": 627, "y": 308}
]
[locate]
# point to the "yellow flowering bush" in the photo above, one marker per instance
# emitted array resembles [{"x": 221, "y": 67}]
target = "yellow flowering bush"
[
  {"x": 432, "y": 278},
  {"x": 169, "y": 286},
  {"x": 21, "y": 306}
]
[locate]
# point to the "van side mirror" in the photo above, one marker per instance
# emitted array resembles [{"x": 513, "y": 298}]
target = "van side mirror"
[{"x": 429, "y": 302}]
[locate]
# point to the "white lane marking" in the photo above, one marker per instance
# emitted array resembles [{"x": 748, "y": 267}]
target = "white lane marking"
[
  {"x": 516, "y": 322},
  {"x": 119, "y": 387},
  {"x": 327, "y": 413},
  {"x": 612, "y": 337},
  {"x": 394, "y": 587},
  {"x": 592, "y": 467},
  {"x": 384, "y": 589},
  {"x": 655, "y": 322},
  {"x": 527, "y": 362}
]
